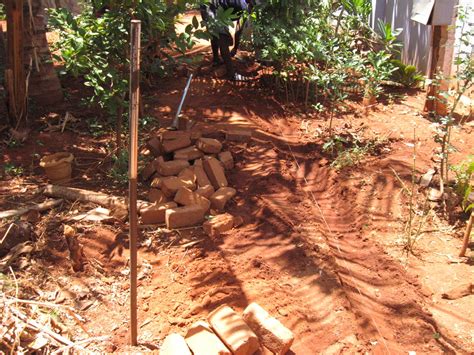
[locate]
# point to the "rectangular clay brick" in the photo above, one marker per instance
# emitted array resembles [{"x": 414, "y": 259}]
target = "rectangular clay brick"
[
  {"x": 174, "y": 344},
  {"x": 205, "y": 191},
  {"x": 175, "y": 144},
  {"x": 188, "y": 175},
  {"x": 220, "y": 198},
  {"x": 215, "y": 172},
  {"x": 156, "y": 196},
  {"x": 148, "y": 170},
  {"x": 219, "y": 224},
  {"x": 201, "y": 176},
  {"x": 170, "y": 135},
  {"x": 186, "y": 216},
  {"x": 155, "y": 214},
  {"x": 197, "y": 162},
  {"x": 185, "y": 123},
  {"x": 203, "y": 341},
  {"x": 273, "y": 335},
  {"x": 238, "y": 134},
  {"x": 187, "y": 197},
  {"x": 157, "y": 181},
  {"x": 209, "y": 145},
  {"x": 226, "y": 159},
  {"x": 189, "y": 153},
  {"x": 195, "y": 135},
  {"x": 233, "y": 331},
  {"x": 171, "y": 184},
  {"x": 154, "y": 144},
  {"x": 172, "y": 167}
]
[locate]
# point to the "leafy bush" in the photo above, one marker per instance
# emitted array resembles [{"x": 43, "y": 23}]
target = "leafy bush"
[
  {"x": 406, "y": 75},
  {"x": 464, "y": 184}
]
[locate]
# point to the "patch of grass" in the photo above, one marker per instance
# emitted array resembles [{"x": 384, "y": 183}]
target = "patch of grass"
[{"x": 13, "y": 170}]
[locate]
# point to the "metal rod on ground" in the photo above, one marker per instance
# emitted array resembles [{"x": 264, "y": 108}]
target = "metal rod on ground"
[
  {"x": 133, "y": 155},
  {"x": 180, "y": 107}
]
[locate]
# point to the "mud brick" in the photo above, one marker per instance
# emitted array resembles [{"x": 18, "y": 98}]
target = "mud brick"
[
  {"x": 170, "y": 135},
  {"x": 156, "y": 196},
  {"x": 201, "y": 176},
  {"x": 189, "y": 153},
  {"x": 155, "y": 147},
  {"x": 220, "y": 198},
  {"x": 148, "y": 170},
  {"x": 205, "y": 191},
  {"x": 209, "y": 145},
  {"x": 185, "y": 123},
  {"x": 171, "y": 184},
  {"x": 273, "y": 335},
  {"x": 186, "y": 216},
  {"x": 188, "y": 175},
  {"x": 238, "y": 134},
  {"x": 175, "y": 144},
  {"x": 157, "y": 181},
  {"x": 197, "y": 162},
  {"x": 203, "y": 341},
  {"x": 155, "y": 214},
  {"x": 233, "y": 331},
  {"x": 215, "y": 172},
  {"x": 195, "y": 135},
  {"x": 187, "y": 197},
  {"x": 227, "y": 160},
  {"x": 172, "y": 167},
  {"x": 219, "y": 224},
  {"x": 174, "y": 344}
]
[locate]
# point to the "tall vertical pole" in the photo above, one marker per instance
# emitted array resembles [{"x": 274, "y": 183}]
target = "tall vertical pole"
[{"x": 133, "y": 150}]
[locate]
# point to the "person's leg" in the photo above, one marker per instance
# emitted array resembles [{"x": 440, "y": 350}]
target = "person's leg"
[
  {"x": 207, "y": 14},
  {"x": 215, "y": 50},
  {"x": 224, "y": 42},
  {"x": 238, "y": 34}
]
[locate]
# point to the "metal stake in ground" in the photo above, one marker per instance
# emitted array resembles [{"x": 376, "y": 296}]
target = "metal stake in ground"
[
  {"x": 175, "y": 123},
  {"x": 132, "y": 173}
]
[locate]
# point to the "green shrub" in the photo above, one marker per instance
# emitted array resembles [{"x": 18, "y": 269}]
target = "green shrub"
[{"x": 406, "y": 75}]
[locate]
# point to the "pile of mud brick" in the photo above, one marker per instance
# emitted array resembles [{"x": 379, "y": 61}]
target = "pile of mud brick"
[
  {"x": 188, "y": 181},
  {"x": 226, "y": 332}
]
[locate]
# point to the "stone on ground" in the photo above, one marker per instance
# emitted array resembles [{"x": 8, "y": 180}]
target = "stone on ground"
[
  {"x": 226, "y": 159},
  {"x": 186, "y": 216},
  {"x": 174, "y": 344},
  {"x": 209, "y": 145},
  {"x": 272, "y": 334},
  {"x": 233, "y": 331},
  {"x": 202, "y": 340}
]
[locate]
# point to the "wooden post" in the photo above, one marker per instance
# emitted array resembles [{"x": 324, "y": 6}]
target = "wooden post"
[
  {"x": 134, "y": 96},
  {"x": 15, "y": 77},
  {"x": 467, "y": 235}
]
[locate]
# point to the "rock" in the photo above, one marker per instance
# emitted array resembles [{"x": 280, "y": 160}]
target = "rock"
[
  {"x": 209, "y": 145},
  {"x": 233, "y": 331},
  {"x": 425, "y": 180},
  {"x": 219, "y": 224},
  {"x": 226, "y": 159},
  {"x": 273, "y": 335},
  {"x": 220, "y": 198},
  {"x": 435, "y": 195},
  {"x": 184, "y": 216},
  {"x": 215, "y": 173},
  {"x": 187, "y": 197},
  {"x": 174, "y": 344},
  {"x": 459, "y": 292},
  {"x": 202, "y": 340}
]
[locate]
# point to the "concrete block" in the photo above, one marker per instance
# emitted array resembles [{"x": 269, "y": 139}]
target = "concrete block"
[
  {"x": 172, "y": 167},
  {"x": 154, "y": 144},
  {"x": 156, "y": 196},
  {"x": 187, "y": 197},
  {"x": 175, "y": 144},
  {"x": 174, "y": 344},
  {"x": 220, "y": 198},
  {"x": 215, "y": 173},
  {"x": 189, "y": 153},
  {"x": 203, "y": 341},
  {"x": 272, "y": 334},
  {"x": 205, "y": 191},
  {"x": 201, "y": 176},
  {"x": 171, "y": 184},
  {"x": 155, "y": 214},
  {"x": 209, "y": 145},
  {"x": 226, "y": 159},
  {"x": 186, "y": 216},
  {"x": 238, "y": 134},
  {"x": 233, "y": 331},
  {"x": 219, "y": 224}
]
